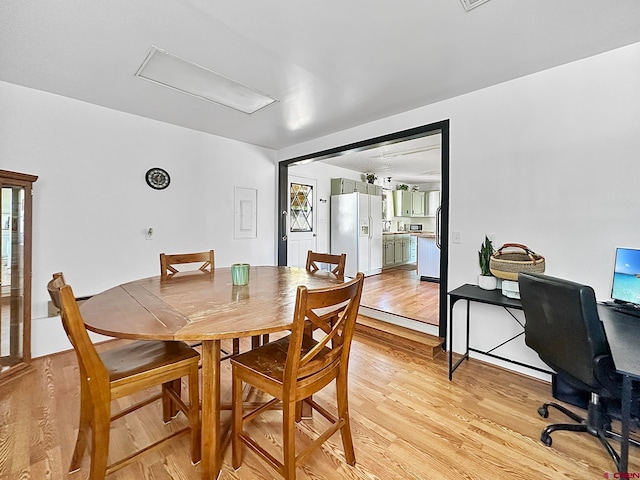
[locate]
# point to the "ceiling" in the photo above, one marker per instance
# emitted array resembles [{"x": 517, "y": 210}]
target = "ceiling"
[
  {"x": 414, "y": 161},
  {"x": 332, "y": 64}
]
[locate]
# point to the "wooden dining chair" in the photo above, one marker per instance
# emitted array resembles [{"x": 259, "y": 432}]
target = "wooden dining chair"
[
  {"x": 293, "y": 368},
  {"x": 167, "y": 262},
  {"x": 314, "y": 258},
  {"x": 122, "y": 371},
  {"x": 167, "y": 270}
]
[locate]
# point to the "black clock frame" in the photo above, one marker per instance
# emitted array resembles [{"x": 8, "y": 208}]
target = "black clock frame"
[{"x": 157, "y": 178}]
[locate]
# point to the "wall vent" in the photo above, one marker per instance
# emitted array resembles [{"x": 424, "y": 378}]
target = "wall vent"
[{"x": 469, "y": 4}]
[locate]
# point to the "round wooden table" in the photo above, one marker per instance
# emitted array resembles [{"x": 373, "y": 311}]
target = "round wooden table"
[{"x": 197, "y": 306}]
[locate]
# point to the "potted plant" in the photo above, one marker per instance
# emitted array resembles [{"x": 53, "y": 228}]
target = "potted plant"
[
  {"x": 402, "y": 187},
  {"x": 370, "y": 177},
  {"x": 486, "y": 281}
]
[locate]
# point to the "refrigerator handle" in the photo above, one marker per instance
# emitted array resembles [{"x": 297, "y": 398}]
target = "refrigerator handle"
[
  {"x": 370, "y": 225},
  {"x": 438, "y": 220}
]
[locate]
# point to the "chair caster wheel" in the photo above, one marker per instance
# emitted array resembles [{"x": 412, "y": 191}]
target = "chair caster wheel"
[
  {"x": 543, "y": 412},
  {"x": 546, "y": 439}
]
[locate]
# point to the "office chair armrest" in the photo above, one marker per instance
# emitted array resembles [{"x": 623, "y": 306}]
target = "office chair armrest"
[{"x": 605, "y": 372}]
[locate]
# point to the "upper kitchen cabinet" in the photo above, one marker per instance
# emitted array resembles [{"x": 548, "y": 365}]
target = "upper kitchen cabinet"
[
  {"x": 409, "y": 204},
  {"x": 15, "y": 288},
  {"x": 374, "y": 189},
  {"x": 418, "y": 207},
  {"x": 340, "y": 186},
  {"x": 433, "y": 202}
]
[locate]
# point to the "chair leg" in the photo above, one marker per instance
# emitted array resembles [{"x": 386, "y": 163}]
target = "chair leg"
[
  {"x": 236, "y": 422},
  {"x": 602, "y": 436},
  {"x": 169, "y": 408},
  {"x": 544, "y": 411},
  {"x": 100, "y": 440},
  {"x": 343, "y": 413},
  {"x": 84, "y": 427},
  {"x": 288, "y": 440}
]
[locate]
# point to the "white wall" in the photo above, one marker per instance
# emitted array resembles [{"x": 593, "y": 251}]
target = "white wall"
[
  {"x": 549, "y": 160},
  {"x": 92, "y": 205}
]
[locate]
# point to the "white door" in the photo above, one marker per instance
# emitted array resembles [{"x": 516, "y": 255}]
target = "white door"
[{"x": 301, "y": 222}]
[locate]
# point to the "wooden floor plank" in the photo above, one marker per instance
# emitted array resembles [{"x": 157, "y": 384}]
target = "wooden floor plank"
[
  {"x": 399, "y": 291},
  {"x": 408, "y": 422}
]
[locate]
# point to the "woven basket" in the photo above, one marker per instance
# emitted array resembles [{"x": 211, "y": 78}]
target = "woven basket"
[{"x": 507, "y": 265}]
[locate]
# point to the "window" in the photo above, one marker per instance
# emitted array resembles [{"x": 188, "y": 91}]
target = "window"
[{"x": 301, "y": 208}]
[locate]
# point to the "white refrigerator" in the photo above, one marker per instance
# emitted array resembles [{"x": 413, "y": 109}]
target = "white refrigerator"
[{"x": 356, "y": 229}]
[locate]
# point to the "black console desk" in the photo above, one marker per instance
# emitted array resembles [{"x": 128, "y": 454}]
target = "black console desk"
[
  {"x": 623, "y": 335},
  {"x": 473, "y": 293}
]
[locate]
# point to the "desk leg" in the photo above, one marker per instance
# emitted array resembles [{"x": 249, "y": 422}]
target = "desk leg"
[
  {"x": 450, "y": 332},
  {"x": 626, "y": 420},
  {"x": 464, "y": 357},
  {"x": 211, "y": 455}
]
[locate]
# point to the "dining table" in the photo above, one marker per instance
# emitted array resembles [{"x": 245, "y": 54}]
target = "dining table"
[{"x": 204, "y": 307}]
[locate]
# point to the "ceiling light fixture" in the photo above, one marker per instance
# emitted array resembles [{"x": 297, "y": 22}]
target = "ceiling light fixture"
[
  {"x": 187, "y": 77},
  {"x": 469, "y": 4}
]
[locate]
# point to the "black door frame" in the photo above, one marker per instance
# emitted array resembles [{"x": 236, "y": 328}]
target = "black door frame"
[{"x": 416, "y": 132}]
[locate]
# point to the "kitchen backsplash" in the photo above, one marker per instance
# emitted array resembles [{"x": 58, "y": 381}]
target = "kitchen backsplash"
[{"x": 428, "y": 223}]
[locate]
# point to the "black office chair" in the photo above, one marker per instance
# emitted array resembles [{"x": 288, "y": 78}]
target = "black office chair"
[{"x": 563, "y": 327}]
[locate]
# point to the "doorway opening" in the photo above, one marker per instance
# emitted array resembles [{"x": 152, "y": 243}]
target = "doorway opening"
[{"x": 441, "y": 128}]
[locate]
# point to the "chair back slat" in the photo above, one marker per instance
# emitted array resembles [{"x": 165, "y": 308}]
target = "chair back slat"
[
  {"x": 334, "y": 310},
  {"x": 167, "y": 262},
  {"x": 337, "y": 261}
]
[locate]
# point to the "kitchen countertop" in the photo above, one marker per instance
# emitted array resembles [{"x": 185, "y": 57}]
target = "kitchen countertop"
[{"x": 416, "y": 233}]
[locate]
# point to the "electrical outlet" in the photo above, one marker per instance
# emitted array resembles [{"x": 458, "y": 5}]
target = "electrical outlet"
[{"x": 457, "y": 237}]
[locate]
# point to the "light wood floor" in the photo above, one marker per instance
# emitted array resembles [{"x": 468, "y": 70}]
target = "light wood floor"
[
  {"x": 408, "y": 420},
  {"x": 399, "y": 290}
]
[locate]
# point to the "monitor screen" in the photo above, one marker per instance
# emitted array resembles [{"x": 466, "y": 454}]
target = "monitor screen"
[{"x": 626, "y": 276}]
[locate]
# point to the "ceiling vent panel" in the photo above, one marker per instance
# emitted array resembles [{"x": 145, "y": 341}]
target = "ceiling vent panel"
[{"x": 187, "y": 77}]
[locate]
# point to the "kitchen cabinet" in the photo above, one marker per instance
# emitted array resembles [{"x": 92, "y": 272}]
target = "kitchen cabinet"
[
  {"x": 397, "y": 248},
  {"x": 340, "y": 186},
  {"x": 373, "y": 189},
  {"x": 406, "y": 248},
  {"x": 418, "y": 204},
  {"x": 433, "y": 202},
  {"x": 428, "y": 258},
  {"x": 409, "y": 204},
  {"x": 401, "y": 203},
  {"x": 361, "y": 187},
  {"x": 388, "y": 249},
  {"x": 413, "y": 248}
]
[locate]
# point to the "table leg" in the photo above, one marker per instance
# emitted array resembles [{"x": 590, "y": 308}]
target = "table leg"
[
  {"x": 211, "y": 455},
  {"x": 626, "y": 420}
]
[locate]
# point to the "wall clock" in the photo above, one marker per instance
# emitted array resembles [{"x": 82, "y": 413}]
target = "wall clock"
[{"x": 157, "y": 178}]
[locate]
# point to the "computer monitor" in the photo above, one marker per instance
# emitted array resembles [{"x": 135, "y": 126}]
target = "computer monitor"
[{"x": 625, "y": 287}]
